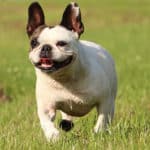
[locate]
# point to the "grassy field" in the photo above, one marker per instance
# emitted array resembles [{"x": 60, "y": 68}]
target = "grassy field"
[{"x": 122, "y": 27}]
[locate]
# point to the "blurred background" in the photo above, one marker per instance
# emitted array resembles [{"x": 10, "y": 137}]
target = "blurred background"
[{"x": 123, "y": 28}]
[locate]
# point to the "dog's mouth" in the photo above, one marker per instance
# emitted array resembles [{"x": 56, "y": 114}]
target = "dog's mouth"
[{"x": 49, "y": 65}]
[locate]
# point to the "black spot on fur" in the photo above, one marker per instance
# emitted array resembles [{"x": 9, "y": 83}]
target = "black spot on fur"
[
  {"x": 75, "y": 5},
  {"x": 66, "y": 125}
]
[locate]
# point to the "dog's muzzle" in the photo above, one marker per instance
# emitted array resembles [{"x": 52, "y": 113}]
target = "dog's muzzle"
[{"x": 48, "y": 65}]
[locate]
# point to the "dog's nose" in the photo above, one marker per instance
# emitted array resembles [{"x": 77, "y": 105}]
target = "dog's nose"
[{"x": 45, "y": 51}]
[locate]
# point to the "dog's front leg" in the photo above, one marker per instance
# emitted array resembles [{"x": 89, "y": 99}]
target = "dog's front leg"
[
  {"x": 47, "y": 117},
  {"x": 66, "y": 123}
]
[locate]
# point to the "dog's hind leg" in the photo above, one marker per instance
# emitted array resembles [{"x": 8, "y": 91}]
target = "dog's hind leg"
[
  {"x": 66, "y": 123},
  {"x": 105, "y": 115}
]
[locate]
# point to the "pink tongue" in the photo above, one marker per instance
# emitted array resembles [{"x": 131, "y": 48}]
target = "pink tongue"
[{"x": 46, "y": 62}]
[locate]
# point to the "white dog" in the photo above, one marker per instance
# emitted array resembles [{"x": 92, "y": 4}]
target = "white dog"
[{"x": 73, "y": 76}]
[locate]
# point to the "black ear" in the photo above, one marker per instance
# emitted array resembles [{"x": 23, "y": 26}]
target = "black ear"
[
  {"x": 35, "y": 18},
  {"x": 72, "y": 18}
]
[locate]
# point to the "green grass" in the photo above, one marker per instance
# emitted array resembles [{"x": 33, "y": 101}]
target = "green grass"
[{"x": 123, "y": 27}]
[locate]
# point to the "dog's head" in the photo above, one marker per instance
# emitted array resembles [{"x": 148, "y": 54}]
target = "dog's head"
[{"x": 53, "y": 47}]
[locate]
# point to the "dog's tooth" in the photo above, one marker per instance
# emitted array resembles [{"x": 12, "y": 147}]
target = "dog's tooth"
[{"x": 46, "y": 65}]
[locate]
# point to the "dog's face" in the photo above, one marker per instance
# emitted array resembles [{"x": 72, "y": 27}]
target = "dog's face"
[{"x": 53, "y": 48}]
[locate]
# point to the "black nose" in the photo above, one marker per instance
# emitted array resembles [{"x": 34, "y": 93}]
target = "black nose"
[{"x": 45, "y": 51}]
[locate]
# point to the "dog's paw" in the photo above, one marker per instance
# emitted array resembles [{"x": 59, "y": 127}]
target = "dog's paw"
[
  {"x": 66, "y": 125},
  {"x": 52, "y": 135}
]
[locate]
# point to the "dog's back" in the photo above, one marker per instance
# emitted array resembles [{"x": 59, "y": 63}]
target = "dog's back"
[{"x": 100, "y": 66}]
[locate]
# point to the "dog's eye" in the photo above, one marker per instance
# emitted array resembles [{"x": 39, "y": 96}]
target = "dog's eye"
[
  {"x": 34, "y": 43},
  {"x": 61, "y": 43}
]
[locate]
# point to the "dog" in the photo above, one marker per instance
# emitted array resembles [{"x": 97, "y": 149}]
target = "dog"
[{"x": 73, "y": 76}]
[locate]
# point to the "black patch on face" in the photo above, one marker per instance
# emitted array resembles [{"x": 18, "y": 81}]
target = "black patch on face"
[
  {"x": 37, "y": 32},
  {"x": 34, "y": 37},
  {"x": 34, "y": 43}
]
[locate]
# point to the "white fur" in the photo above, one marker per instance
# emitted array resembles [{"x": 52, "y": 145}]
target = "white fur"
[
  {"x": 90, "y": 81},
  {"x": 52, "y": 36},
  {"x": 34, "y": 55},
  {"x": 76, "y": 9}
]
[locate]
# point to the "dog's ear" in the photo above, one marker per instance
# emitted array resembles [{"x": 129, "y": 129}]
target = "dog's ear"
[
  {"x": 72, "y": 18},
  {"x": 35, "y": 18}
]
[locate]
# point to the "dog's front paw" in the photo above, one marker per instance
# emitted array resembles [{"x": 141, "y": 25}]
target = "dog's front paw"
[
  {"x": 66, "y": 125},
  {"x": 52, "y": 135}
]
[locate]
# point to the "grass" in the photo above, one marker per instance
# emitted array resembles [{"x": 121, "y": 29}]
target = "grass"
[{"x": 122, "y": 27}]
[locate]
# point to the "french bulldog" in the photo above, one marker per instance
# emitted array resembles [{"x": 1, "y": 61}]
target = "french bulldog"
[{"x": 73, "y": 76}]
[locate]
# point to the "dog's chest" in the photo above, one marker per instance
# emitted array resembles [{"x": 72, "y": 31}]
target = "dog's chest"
[
  {"x": 74, "y": 103},
  {"x": 70, "y": 100}
]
